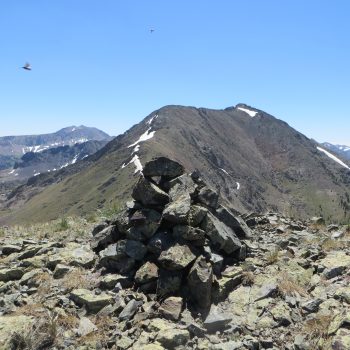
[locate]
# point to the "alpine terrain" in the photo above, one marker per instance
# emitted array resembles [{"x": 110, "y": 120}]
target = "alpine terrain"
[
  {"x": 341, "y": 150},
  {"x": 13, "y": 147},
  {"x": 256, "y": 162}
]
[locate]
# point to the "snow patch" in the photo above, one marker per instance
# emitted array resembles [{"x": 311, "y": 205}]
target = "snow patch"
[
  {"x": 36, "y": 174},
  {"x": 136, "y": 149},
  {"x": 12, "y": 171},
  {"x": 248, "y": 111},
  {"x": 63, "y": 166},
  {"x": 224, "y": 171},
  {"x": 137, "y": 163},
  {"x": 238, "y": 185},
  {"x": 144, "y": 137},
  {"x": 151, "y": 120},
  {"x": 75, "y": 159},
  {"x": 330, "y": 155}
]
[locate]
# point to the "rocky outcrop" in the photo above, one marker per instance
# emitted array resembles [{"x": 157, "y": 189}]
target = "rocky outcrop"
[
  {"x": 142, "y": 281},
  {"x": 172, "y": 237}
]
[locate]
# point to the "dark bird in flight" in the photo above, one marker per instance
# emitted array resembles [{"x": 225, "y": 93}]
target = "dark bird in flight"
[
  {"x": 27, "y": 66},
  {"x": 151, "y": 30}
]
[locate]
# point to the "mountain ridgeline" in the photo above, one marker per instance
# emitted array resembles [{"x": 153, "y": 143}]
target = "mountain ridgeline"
[
  {"x": 256, "y": 161},
  {"x": 341, "y": 150},
  {"x": 12, "y": 148}
]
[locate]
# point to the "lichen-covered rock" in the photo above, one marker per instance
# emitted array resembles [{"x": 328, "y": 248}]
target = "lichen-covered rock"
[
  {"x": 236, "y": 223},
  {"x": 216, "y": 320},
  {"x": 145, "y": 228},
  {"x": 114, "y": 257},
  {"x": 10, "y": 325},
  {"x": 172, "y": 338},
  {"x": 103, "y": 238},
  {"x": 208, "y": 197},
  {"x": 92, "y": 302},
  {"x": 130, "y": 310},
  {"x": 220, "y": 234},
  {"x": 171, "y": 308},
  {"x": 11, "y": 274},
  {"x": 178, "y": 210},
  {"x": 176, "y": 257},
  {"x": 146, "y": 273},
  {"x": 189, "y": 233},
  {"x": 182, "y": 185}
]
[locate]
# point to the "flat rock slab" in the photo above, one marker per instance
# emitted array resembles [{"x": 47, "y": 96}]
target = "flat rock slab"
[
  {"x": 171, "y": 308},
  {"x": 73, "y": 254},
  {"x": 93, "y": 303},
  {"x": 216, "y": 320},
  {"x": 176, "y": 257}
]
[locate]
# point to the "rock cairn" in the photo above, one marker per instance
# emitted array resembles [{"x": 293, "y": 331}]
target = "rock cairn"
[{"x": 174, "y": 238}]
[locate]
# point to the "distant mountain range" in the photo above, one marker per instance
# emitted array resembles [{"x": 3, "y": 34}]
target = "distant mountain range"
[
  {"x": 256, "y": 161},
  {"x": 341, "y": 150},
  {"x": 12, "y": 148}
]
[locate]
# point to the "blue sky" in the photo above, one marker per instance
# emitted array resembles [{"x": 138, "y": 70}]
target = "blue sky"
[{"x": 96, "y": 63}]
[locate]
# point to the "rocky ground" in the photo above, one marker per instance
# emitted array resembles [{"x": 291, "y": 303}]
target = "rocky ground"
[{"x": 177, "y": 270}]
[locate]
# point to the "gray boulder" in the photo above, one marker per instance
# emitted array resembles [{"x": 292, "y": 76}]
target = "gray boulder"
[
  {"x": 220, "y": 234},
  {"x": 103, "y": 238},
  {"x": 148, "y": 272},
  {"x": 114, "y": 257},
  {"x": 163, "y": 166},
  {"x": 216, "y": 320},
  {"x": 208, "y": 197},
  {"x": 130, "y": 310},
  {"x": 149, "y": 194},
  {"x": 180, "y": 186},
  {"x": 177, "y": 211},
  {"x": 146, "y": 227},
  {"x": 236, "y": 223},
  {"x": 135, "y": 249},
  {"x": 176, "y": 257},
  {"x": 200, "y": 281},
  {"x": 169, "y": 282},
  {"x": 188, "y": 233}
]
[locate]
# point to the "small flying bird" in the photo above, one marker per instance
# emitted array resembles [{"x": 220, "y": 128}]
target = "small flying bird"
[
  {"x": 151, "y": 30},
  {"x": 27, "y": 66}
]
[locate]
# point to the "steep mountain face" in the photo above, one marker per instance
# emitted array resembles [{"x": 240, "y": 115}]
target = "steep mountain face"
[
  {"x": 52, "y": 159},
  {"x": 340, "y": 150},
  {"x": 256, "y": 161},
  {"x": 13, "y": 147}
]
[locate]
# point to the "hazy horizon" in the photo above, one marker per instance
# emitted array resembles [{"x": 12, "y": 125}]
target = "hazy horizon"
[{"x": 98, "y": 64}]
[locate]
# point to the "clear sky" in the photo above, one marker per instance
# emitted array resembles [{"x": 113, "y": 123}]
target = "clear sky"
[{"x": 96, "y": 63}]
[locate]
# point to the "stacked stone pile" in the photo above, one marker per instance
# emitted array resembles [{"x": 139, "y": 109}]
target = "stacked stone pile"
[{"x": 174, "y": 238}]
